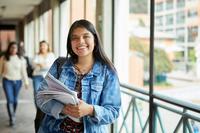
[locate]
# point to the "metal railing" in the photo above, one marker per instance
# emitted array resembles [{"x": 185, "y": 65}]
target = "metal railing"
[{"x": 185, "y": 113}]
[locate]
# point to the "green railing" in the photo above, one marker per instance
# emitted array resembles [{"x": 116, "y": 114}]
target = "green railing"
[{"x": 133, "y": 120}]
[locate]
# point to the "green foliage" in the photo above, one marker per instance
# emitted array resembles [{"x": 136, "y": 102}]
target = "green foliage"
[
  {"x": 162, "y": 64},
  {"x": 136, "y": 45},
  {"x": 161, "y": 61},
  {"x": 179, "y": 56},
  {"x": 191, "y": 55},
  {"x": 138, "y": 6}
]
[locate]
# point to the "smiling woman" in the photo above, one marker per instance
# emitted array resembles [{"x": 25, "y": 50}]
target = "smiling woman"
[{"x": 89, "y": 72}]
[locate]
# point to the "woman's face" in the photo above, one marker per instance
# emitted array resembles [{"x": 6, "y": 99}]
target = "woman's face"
[
  {"x": 13, "y": 49},
  {"x": 82, "y": 42},
  {"x": 43, "y": 48}
]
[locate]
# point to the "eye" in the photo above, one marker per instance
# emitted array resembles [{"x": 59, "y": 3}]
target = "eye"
[
  {"x": 74, "y": 38},
  {"x": 86, "y": 36}
]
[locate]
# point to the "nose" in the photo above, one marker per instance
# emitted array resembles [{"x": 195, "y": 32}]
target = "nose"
[{"x": 81, "y": 40}]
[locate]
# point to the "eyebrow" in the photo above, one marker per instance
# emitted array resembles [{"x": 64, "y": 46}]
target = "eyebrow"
[{"x": 82, "y": 34}]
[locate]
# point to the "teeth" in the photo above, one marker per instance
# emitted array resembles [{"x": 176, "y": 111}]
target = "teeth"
[{"x": 81, "y": 47}]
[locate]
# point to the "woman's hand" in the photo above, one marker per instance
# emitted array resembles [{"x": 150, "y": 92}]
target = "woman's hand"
[
  {"x": 78, "y": 111},
  {"x": 26, "y": 86}
]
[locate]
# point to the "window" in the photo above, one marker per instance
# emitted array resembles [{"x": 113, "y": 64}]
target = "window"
[
  {"x": 159, "y": 6},
  {"x": 169, "y": 30},
  {"x": 192, "y": 13},
  {"x": 169, "y": 4},
  {"x": 180, "y": 3},
  {"x": 192, "y": 33},
  {"x": 180, "y": 17},
  {"x": 45, "y": 27},
  {"x": 159, "y": 20},
  {"x": 180, "y": 32},
  {"x": 169, "y": 19}
]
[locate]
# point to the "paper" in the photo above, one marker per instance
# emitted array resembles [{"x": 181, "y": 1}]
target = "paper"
[{"x": 58, "y": 91}]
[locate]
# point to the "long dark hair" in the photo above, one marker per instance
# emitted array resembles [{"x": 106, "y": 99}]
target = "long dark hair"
[
  {"x": 98, "y": 51},
  {"x": 7, "y": 54}
]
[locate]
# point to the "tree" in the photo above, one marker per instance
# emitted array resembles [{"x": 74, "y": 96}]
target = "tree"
[{"x": 162, "y": 64}]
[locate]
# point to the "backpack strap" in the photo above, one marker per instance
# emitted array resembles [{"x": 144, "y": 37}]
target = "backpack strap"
[{"x": 60, "y": 62}]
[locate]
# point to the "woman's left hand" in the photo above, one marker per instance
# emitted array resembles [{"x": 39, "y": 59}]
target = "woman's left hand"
[{"x": 78, "y": 111}]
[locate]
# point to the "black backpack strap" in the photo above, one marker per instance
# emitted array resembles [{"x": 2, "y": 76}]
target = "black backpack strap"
[{"x": 60, "y": 62}]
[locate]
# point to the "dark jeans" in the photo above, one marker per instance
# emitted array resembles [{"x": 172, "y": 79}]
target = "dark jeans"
[
  {"x": 36, "y": 83},
  {"x": 11, "y": 89}
]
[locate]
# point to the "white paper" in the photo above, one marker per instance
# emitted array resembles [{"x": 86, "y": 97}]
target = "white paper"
[{"x": 58, "y": 91}]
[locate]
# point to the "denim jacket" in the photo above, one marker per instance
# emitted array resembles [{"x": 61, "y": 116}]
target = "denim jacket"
[{"x": 100, "y": 87}]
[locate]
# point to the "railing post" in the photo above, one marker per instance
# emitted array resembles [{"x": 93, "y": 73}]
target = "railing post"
[
  {"x": 155, "y": 119},
  {"x": 184, "y": 122},
  {"x": 133, "y": 115}
]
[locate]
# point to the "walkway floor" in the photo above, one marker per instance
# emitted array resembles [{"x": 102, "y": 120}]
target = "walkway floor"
[{"x": 24, "y": 116}]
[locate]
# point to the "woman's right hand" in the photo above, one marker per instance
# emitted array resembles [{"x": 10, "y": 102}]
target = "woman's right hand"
[{"x": 26, "y": 86}]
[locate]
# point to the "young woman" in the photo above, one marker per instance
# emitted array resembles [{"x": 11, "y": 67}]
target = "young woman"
[
  {"x": 13, "y": 70},
  {"x": 41, "y": 64},
  {"x": 88, "y": 71}
]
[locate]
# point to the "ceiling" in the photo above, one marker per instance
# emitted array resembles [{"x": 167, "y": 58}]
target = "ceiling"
[{"x": 16, "y": 9}]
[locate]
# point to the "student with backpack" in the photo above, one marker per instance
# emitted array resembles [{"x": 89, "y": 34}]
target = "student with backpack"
[{"x": 88, "y": 71}]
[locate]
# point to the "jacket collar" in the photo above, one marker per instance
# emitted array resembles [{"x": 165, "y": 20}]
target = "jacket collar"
[{"x": 96, "y": 69}]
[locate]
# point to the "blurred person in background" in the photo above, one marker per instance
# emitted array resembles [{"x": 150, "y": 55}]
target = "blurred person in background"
[
  {"x": 29, "y": 67},
  {"x": 41, "y": 64},
  {"x": 13, "y": 70}
]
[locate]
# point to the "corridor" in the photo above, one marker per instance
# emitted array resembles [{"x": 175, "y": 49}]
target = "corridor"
[{"x": 24, "y": 116}]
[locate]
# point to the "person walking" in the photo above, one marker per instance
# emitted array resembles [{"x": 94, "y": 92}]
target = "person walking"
[
  {"x": 41, "y": 64},
  {"x": 89, "y": 72},
  {"x": 13, "y": 70}
]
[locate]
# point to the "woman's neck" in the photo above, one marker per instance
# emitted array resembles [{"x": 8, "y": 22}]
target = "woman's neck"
[{"x": 85, "y": 64}]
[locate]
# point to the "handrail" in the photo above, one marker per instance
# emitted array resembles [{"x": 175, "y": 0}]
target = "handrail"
[
  {"x": 164, "y": 98},
  {"x": 158, "y": 102}
]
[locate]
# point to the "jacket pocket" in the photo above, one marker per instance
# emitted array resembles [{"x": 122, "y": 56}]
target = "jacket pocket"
[{"x": 96, "y": 90}]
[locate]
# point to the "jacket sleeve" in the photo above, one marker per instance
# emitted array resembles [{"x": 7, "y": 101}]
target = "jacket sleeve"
[{"x": 108, "y": 110}]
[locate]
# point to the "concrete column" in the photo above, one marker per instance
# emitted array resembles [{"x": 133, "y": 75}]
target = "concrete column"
[
  {"x": 55, "y": 27},
  {"x": 121, "y": 42},
  {"x": 107, "y": 28}
]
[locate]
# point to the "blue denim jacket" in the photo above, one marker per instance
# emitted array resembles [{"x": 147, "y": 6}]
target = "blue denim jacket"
[{"x": 100, "y": 87}]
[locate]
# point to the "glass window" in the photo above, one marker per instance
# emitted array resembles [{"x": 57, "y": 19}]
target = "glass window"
[
  {"x": 29, "y": 39},
  {"x": 169, "y": 19},
  {"x": 192, "y": 33},
  {"x": 64, "y": 26},
  {"x": 159, "y": 20},
  {"x": 131, "y": 55},
  {"x": 180, "y": 32},
  {"x": 45, "y": 27},
  {"x": 159, "y": 6},
  {"x": 180, "y": 3},
  {"x": 169, "y": 30},
  {"x": 169, "y": 4},
  {"x": 180, "y": 17},
  {"x": 192, "y": 13}
]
